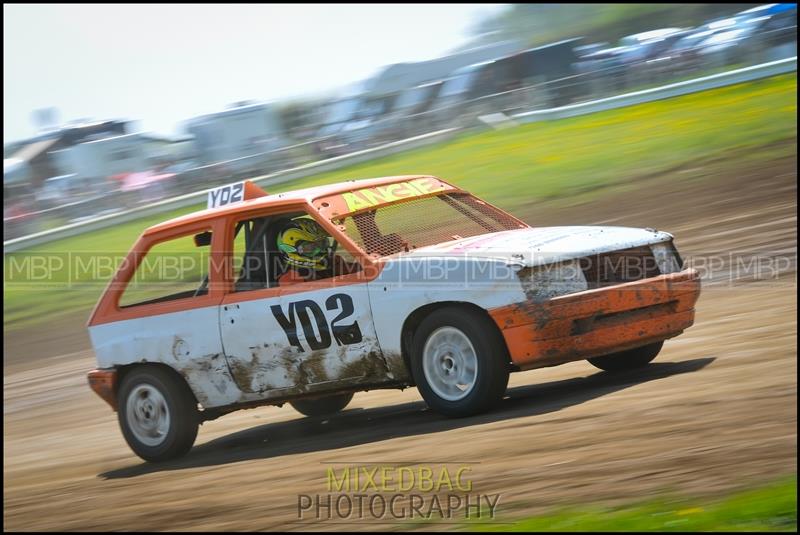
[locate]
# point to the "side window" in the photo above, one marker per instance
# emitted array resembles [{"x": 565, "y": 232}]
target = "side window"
[
  {"x": 306, "y": 252},
  {"x": 347, "y": 257},
  {"x": 253, "y": 253},
  {"x": 171, "y": 269}
]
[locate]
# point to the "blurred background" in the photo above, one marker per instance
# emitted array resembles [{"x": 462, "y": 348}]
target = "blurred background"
[{"x": 516, "y": 59}]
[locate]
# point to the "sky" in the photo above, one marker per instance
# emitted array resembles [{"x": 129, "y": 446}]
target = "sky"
[{"x": 162, "y": 64}]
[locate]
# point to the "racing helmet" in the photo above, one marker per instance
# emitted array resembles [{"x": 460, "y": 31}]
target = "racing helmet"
[{"x": 303, "y": 243}]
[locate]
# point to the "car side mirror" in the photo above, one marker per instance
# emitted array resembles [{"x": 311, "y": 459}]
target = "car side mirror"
[{"x": 203, "y": 239}]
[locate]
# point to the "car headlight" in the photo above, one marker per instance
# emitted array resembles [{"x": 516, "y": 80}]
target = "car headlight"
[{"x": 667, "y": 258}]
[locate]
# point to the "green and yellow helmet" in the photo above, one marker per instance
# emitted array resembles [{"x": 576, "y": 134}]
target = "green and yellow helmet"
[{"x": 304, "y": 243}]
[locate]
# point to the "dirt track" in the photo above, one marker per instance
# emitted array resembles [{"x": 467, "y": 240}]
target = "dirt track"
[{"x": 715, "y": 412}]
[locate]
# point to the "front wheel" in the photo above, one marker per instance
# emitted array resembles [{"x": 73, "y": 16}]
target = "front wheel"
[
  {"x": 157, "y": 414},
  {"x": 459, "y": 362},
  {"x": 324, "y": 406},
  {"x": 628, "y": 360}
]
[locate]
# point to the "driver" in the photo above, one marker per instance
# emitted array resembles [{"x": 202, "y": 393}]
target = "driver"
[{"x": 307, "y": 252}]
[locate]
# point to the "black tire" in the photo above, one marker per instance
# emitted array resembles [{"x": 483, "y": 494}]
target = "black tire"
[
  {"x": 324, "y": 406},
  {"x": 180, "y": 405},
  {"x": 628, "y": 360},
  {"x": 491, "y": 375}
]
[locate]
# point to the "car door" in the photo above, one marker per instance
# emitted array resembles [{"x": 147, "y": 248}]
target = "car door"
[
  {"x": 307, "y": 337},
  {"x": 162, "y": 309}
]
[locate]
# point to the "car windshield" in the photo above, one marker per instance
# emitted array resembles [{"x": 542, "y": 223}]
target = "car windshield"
[
  {"x": 424, "y": 221},
  {"x": 723, "y": 24},
  {"x": 724, "y": 37},
  {"x": 691, "y": 40}
]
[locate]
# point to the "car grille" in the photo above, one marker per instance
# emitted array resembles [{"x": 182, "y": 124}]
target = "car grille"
[{"x": 627, "y": 265}]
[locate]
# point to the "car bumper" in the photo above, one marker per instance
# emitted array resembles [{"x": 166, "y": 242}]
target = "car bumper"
[
  {"x": 104, "y": 384},
  {"x": 599, "y": 321}
]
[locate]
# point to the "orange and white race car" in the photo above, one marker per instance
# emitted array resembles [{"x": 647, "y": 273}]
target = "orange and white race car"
[{"x": 308, "y": 296}]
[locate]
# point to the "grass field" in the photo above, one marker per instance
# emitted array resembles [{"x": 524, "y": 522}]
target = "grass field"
[
  {"x": 511, "y": 168},
  {"x": 770, "y": 508}
]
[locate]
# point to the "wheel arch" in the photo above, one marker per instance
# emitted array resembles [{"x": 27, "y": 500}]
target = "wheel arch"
[
  {"x": 414, "y": 319},
  {"x": 125, "y": 369}
]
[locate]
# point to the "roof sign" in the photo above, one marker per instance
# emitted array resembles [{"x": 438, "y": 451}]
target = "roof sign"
[
  {"x": 233, "y": 193},
  {"x": 368, "y": 198}
]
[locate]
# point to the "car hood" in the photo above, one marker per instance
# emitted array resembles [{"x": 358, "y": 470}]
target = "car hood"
[{"x": 543, "y": 245}]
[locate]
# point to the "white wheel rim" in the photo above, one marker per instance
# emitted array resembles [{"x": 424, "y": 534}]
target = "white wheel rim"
[
  {"x": 450, "y": 363},
  {"x": 148, "y": 415}
]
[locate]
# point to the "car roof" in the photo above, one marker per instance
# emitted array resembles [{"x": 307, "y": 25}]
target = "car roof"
[
  {"x": 769, "y": 9},
  {"x": 653, "y": 34},
  {"x": 305, "y": 196}
]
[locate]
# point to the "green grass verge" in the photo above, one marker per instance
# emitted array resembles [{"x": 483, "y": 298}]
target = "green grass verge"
[
  {"x": 770, "y": 508},
  {"x": 510, "y": 168}
]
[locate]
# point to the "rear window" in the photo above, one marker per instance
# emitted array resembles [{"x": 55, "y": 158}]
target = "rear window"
[{"x": 425, "y": 221}]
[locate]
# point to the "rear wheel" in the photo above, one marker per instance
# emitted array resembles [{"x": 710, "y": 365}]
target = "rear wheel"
[
  {"x": 324, "y": 406},
  {"x": 628, "y": 360},
  {"x": 157, "y": 414},
  {"x": 459, "y": 362}
]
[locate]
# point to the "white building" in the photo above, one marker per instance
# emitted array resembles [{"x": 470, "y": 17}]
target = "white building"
[
  {"x": 106, "y": 157},
  {"x": 240, "y": 135}
]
